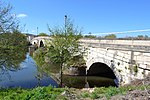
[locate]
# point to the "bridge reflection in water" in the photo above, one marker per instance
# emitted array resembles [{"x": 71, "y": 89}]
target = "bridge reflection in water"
[
  {"x": 99, "y": 75},
  {"x": 87, "y": 81}
]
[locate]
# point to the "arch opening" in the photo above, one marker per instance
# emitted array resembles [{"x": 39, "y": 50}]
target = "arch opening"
[
  {"x": 101, "y": 69},
  {"x": 41, "y": 44}
]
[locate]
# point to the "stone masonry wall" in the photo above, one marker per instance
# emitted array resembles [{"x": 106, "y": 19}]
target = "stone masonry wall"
[{"x": 127, "y": 65}]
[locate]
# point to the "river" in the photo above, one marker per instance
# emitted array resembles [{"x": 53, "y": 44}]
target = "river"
[
  {"x": 22, "y": 71},
  {"x": 26, "y": 76}
]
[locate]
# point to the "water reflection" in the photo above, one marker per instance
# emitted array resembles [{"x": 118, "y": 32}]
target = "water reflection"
[
  {"x": 10, "y": 60},
  {"x": 18, "y": 69},
  {"x": 69, "y": 80},
  {"x": 87, "y": 81}
]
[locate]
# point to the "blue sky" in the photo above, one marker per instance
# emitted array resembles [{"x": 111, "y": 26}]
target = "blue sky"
[{"x": 100, "y": 17}]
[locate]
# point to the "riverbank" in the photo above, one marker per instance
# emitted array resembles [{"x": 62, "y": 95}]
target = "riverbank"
[
  {"x": 102, "y": 93},
  {"x": 137, "y": 90},
  {"x": 140, "y": 92}
]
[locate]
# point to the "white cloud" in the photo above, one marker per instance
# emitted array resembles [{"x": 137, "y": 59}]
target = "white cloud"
[
  {"x": 131, "y": 31},
  {"x": 21, "y": 15}
]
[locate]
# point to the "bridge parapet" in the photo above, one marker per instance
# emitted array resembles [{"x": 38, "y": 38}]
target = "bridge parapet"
[{"x": 119, "y": 42}]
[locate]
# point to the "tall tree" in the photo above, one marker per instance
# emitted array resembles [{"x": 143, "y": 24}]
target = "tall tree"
[
  {"x": 8, "y": 21},
  {"x": 64, "y": 45}
]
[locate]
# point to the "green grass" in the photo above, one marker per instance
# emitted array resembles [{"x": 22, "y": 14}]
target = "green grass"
[
  {"x": 39, "y": 93},
  {"x": 111, "y": 91},
  {"x": 50, "y": 93}
]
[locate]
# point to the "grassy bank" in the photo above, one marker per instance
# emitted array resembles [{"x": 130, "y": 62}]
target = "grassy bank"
[
  {"x": 49, "y": 93},
  {"x": 46, "y": 93}
]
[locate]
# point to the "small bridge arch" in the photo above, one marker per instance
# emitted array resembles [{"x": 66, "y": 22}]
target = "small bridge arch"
[
  {"x": 41, "y": 44},
  {"x": 98, "y": 62},
  {"x": 101, "y": 69}
]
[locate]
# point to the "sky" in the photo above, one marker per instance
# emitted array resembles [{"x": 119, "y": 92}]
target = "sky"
[{"x": 100, "y": 17}]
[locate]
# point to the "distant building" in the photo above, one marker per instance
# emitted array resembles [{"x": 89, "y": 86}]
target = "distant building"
[{"x": 30, "y": 36}]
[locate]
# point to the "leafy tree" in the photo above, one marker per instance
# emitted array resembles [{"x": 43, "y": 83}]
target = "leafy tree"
[
  {"x": 146, "y": 37},
  {"x": 111, "y": 36},
  {"x": 8, "y": 21},
  {"x": 62, "y": 50},
  {"x": 12, "y": 50},
  {"x": 90, "y": 36},
  {"x": 10, "y": 59},
  {"x": 64, "y": 45},
  {"x": 13, "y": 40},
  {"x": 42, "y": 34},
  {"x": 44, "y": 66},
  {"x": 142, "y": 37}
]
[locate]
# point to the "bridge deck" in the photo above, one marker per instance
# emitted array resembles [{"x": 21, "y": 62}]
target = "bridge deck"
[{"x": 136, "y": 48}]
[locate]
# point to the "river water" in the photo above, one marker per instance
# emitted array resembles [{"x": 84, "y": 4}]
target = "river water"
[
  {"x": 22, "y": 71},
  {"x": 26, "y": 76}
]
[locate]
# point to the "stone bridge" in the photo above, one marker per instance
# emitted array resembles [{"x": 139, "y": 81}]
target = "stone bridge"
[
  {"x": 125, "y": 60},
  {"x": 40, "y": 41}
]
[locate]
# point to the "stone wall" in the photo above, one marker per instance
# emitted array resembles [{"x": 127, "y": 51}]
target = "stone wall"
[{"x": 126, "y": 65}]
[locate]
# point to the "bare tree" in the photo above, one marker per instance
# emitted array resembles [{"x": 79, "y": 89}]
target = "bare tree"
[{"x": 8, "y": 20}]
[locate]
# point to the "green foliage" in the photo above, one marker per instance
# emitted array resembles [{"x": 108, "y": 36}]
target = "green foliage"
[
  {"x": 64, "y": 45},
  {"x": 39, "y": 93},
  {"x": 135, "y": 68},
  {"x": 142, "y": 37},
  {"x": 85, "y": 95},
  {"x": 62, "y": 50},
  {"x": 11, "y": 58},
  {"x": 94, "y": 95},
  {"x": 111, "y": 36},
  {"x": 39, "y": 56},
  {"x": 42, "y": 34},
  {"x": 44, "y": 63},
  {"x": 50, "y": 93},
  {"x": 103, "y": 92},
  {"x": 13, "y": 48},
  {"x": 111, "y": 92},
  {"x": 15, "y": 39},
  {"x": 90, "y": 36},
  {"x": 76, "y": 61}
]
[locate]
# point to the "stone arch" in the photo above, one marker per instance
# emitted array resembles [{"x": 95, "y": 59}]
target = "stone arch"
[
  {"x": 41, "y": 43},
  {"x": 100, "y": 69},
  {"x": 34, "y": 41}
]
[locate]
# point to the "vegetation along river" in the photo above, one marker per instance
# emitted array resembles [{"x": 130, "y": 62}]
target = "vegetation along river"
[{"x": 18, "y": 69}]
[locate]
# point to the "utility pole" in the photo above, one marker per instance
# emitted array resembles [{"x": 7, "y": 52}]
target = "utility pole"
[
  {"x": 65, "y": 24},
  {"x": 37, "y": 30},
  {"x": 61, "y": 72}
]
